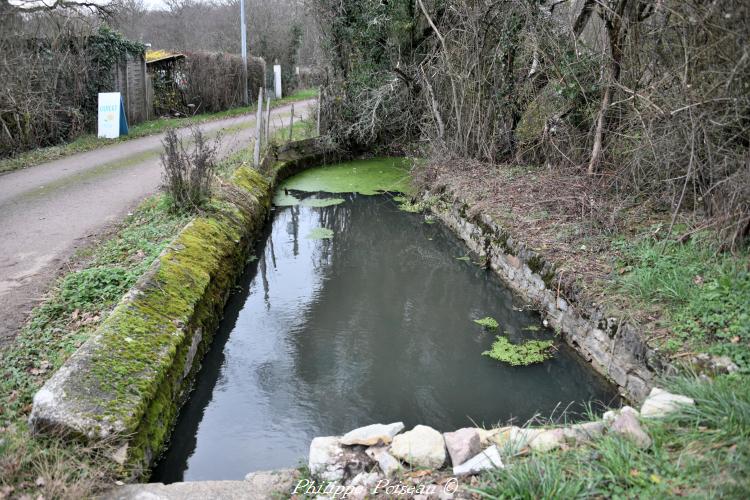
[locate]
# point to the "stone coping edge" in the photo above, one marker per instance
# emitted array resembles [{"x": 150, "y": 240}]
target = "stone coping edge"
[
  {"x": 125, "y": 385},
  {"x": 614, "y": 347}
]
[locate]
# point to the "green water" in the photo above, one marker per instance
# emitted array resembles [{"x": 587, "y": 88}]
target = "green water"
[{"x": 374, "y": 322}]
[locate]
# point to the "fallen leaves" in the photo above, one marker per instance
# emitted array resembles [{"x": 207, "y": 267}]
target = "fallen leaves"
[{"x": 80, "y": 319}]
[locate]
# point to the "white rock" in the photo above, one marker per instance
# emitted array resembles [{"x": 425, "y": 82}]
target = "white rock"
[
  {"x": 610, "y": 415},
  {"x": 274, "y": 481},
  {"x": 547, "y": 440},
  {"x": 498, "y": 436},
  {"x": 627, "y": 425},
  {"x": 585, "y": 432},
  {"x": 519, "y": 438},
  {"x": 488, "y": 459},
  {"x": 387, "y": 463},
  {"x": 462, "y": 444},
  {"x": 372, "y": 434},
  {"x": 324, "y": 454},
  {"x": 661, "y": 403},
  {"x": 422, "y": 446}
]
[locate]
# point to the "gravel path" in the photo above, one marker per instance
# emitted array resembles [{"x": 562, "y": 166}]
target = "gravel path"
[{"x": 49, "y": 211}]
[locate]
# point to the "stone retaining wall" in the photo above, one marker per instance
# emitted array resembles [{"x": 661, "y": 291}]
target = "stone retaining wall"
[
  {"x": 127, "y": 382},
  {"x": 614, "y": 347}
]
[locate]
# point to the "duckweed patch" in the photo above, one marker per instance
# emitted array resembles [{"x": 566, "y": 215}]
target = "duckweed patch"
[
  {"x": 527, "y": 353},
  {"x": 487, "y": 322},
  {"x": 283, "y": 199},
  {"x": 367, "y": 177},
  {"x": 320, "y": 233},
  {"x": 322, "y": 202}
]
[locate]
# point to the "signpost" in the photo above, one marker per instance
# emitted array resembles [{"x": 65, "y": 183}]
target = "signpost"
[
  {"x": 277, "y": 80},
  {"x": 243, "y": 32},
  {"x": 112, "y": 121}
]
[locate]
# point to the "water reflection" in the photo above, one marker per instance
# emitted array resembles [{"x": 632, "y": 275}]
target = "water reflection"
[{"x": 373, "y": 325}]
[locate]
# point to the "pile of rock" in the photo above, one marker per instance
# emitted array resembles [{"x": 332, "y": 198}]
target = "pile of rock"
[{"x": 368, "y": 456}]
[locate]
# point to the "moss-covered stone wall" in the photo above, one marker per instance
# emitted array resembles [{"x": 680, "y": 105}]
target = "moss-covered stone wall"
[{"x": 127, "y": 383}]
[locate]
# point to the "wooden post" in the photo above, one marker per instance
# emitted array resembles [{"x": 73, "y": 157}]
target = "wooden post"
[
  {"x": 291, "y": 124},
  {"x": 268, "y": 120},
  {"x": 258, "y": 119},
  {"x": 320, "y": 105}
]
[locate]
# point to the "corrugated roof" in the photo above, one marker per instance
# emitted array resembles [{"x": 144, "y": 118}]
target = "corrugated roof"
[{"x": 153, "y": 56}]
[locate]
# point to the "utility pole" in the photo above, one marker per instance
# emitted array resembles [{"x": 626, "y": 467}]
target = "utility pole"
[{"x": 243, "y": 29}]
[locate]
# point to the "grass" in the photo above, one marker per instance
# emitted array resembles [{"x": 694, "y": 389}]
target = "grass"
[
  {"x": 90, "y": 142},
  {"x": 702, "y": 295},
  {"x": 68, "y": 316},
  {"x": 303, "y": 129},
  {"x": 704, "y": 452}
]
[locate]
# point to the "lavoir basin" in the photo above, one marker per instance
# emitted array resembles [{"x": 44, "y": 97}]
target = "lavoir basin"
[{"x": 354, "y": 312}]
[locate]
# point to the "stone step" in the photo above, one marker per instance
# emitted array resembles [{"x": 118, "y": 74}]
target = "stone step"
[{"x": 257, "y": 485}]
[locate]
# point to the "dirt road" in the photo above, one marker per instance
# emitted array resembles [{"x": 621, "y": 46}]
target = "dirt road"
[{"x": 49, "y": 211}]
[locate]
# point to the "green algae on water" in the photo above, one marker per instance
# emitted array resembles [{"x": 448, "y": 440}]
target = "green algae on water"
[
  {"x": 368, "y": 177},
  {"x": 527, "y": 353},
  {"x": 487, "y": 322},
  {"x": 283, "y": 199},
  {"x": 320, "y": 233},
  {"x": 321, "y": 202}
]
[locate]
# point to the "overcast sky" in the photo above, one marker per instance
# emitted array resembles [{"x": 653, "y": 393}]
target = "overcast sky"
[{"x": 153, "y": 4}]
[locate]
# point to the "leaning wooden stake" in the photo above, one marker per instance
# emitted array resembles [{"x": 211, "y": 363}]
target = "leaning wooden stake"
[
  {"x": 291, "y": 124},
  {"x": 320, "y": 105},
  {"x": 258, "y": 119},
  {"x": 268, "y": 120}
]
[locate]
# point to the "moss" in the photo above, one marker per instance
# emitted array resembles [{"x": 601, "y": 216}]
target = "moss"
[
  {"x": 135, "y": 380},
  {"x": 250, "y": 180},
  {"x": 546, "y": 271},
  {"x": 547, "y": 105}
]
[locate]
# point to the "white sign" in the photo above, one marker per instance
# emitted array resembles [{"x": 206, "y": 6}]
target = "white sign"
[
  {"x": 109, "y": 115},
  {"x": 277, "y": 80}
]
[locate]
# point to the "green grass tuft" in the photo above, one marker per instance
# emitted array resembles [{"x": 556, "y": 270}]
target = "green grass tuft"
[
  {"x": 705, "y": 294},
  {"x": 702, "y": 452}
]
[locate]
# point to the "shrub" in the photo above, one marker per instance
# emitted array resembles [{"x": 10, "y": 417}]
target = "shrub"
[
  {"x": 49, "y": 80},
  {"x": 213, "y": 81},
  {"x": 188, "y": 175}
]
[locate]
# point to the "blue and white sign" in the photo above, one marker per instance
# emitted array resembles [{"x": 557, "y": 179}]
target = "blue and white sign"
[{"x": 112, "y": 119}]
